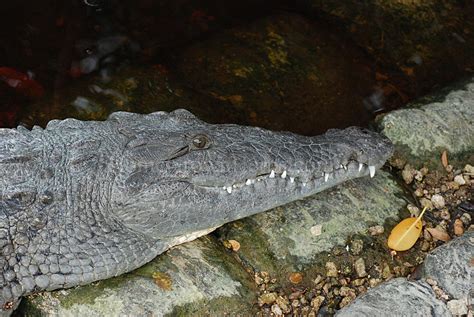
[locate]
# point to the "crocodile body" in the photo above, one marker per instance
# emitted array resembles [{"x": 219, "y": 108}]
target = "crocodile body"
[{"x": 82, "y": 201}]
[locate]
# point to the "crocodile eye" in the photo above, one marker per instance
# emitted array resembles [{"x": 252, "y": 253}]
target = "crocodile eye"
[{"x": 201, "y": 141}]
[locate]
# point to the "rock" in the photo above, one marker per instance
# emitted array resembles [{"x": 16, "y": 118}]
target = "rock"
[
  {"x": 267, "y": 298},
  {"x": 284, "y": 304},
  {"x": 198, "y": 281},
  {"x": 408, "y": 174},
  {"x": 317, "y": 302},
  {"x": 397, "y": 297},
  {"x": 450, "y": 265},
  {"x": 426, "y": 203},
  {"x": 469, "y": 169},
  {"x": 458, "y": 307},
  {"x": 414, "y": 211},
  {"x": 277, "y": 310},
  {"x": 376, "y": 230},
  {"x": 424, "y": 129},
  {"x": 331, "y": 269},
  {"x": 357, "y": 245},
  {"x": 466, "y": 219},
  {"x": 460, "y": 180},
  {"x": 438, "y": 201},
  {"x": 359, "y": 266},
  {"x": 280, "y": 241}
]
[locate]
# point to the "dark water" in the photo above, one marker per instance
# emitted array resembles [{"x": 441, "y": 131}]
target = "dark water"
[{"x": 267, "y": 63}]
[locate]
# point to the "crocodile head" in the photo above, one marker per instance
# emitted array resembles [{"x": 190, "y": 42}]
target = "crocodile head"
[
  {"x": 178, "y": 174},
  {"x": 84, "y": 200}
]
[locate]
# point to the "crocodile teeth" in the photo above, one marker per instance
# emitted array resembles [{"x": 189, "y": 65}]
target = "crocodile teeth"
[
  {"x": 326, "y": 177},
  {"x": 360, "y": 166},
  {"x": 272, "y": 174},
  {"x": 292, "y": 179},
  {"x": 372, "y": 171},
  {"x": 248, "y": 182},
  {"x": 283, "y": 175},
  {"x": 229, "y": 190}
]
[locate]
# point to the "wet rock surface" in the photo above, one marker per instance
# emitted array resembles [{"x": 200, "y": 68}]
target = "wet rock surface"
[
  {"x": 194, "y": 278},
  {"x": 450, "y": 265},
  {"x": 428, "y": 127},
  {"x": 397, "y": 297},
  {"x": 285, "y": 237}
]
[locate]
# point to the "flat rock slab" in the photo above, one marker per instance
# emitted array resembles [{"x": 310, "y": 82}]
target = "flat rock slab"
[
  {"x": 398, "y": 297},
  {"x": 287, "y": 238},
  {"x": 434, "y": 124},
  {"x": 195, "y": 278},
  {"x": 450, "y": 265}
]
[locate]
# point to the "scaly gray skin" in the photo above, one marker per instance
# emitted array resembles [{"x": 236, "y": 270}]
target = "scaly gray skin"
[{"x": 84, "y": 201}]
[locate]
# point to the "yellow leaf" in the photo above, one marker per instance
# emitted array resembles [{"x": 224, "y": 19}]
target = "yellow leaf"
[{"x": 405, "y": 234}]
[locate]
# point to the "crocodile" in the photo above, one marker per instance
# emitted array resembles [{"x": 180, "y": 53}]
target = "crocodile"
[{"x": 82, "y": 201}]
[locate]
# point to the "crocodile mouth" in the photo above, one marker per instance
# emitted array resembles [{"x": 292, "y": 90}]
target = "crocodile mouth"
[{"x": 295, "y": 178}]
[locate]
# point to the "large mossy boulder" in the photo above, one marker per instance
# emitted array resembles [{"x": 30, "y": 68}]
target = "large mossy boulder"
[
  {"x": 196, "y": 278},
  {"x": 436, "y": 123}
]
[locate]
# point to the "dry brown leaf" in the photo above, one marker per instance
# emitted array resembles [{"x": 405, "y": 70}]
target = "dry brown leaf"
[
  {"x": 444, "y": 159},
  {"x": 296, "y": 277},
  {"x": 439, "y": 234}
]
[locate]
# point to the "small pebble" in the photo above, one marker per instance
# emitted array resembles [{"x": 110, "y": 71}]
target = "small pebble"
[
  {"x": 317, "y": 301},
  {"x": 419, "y": 176},
  {"x": 460, "y": 180},
  {"x": 357, "y": 245},
  {"x": 359, "y": 266},
  {"x": 425, "y": 246},
  {"x": 419, "y": 192},
  {"x": 438, "y": 201},
  {"x": 347, "y": 291},
  {"x": 345, "y": 301},
  {"x": 295, "y": 303},
  {"x": 358, "y": 282},
  {"x": 267, "y": 298},
  {"x": 284, "y": 304},
  {"x": 408, "y": 174},
  {"x": 374, "y": 282},
  {"x": 466, "y": 219},
  {"x": 318, "y": 279},
  {"x": 445, "y": 215},
  {"x": 277, "y": 310},
  {"x": 376, "y": 230},
  {"x": 331, "y": 269},
  {"x": 458, "y": 307},
  {"x": 426, "y": 203},
  {"x": 469, "y": 169},
  {"x": 453, "y": 185},
  {"x": 414, "y": 211},
  {"x": 386, "y": 272}
]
